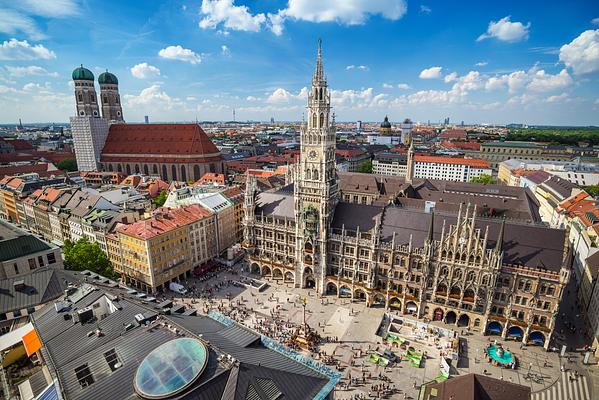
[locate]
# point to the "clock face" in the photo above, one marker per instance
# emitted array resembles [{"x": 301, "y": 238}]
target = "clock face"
[{"x": 312, "y": 154}]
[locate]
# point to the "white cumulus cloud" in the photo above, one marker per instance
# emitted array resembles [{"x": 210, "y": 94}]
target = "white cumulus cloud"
[
  {"x": 403, "y": 86},
  {"x": 349, "y": 12},
  {"x": 481, "y": 64},
  {"x": 506, "y": 30},
  {"x": 153, "y": 96},
  {"x": 431, "y": 73},
  {"x": 14, "y": 49},
  {"x": 230, "y": 16},
  {"x": 144, "y": 71},
  {"x": 544, "y": 82},
  {"x": 582, "y": 54},
  {"x": 451, "y": 77},
  {"x": 388, "y": 86},
  {"x": 180, "y": 54},
  {"x": 29, "y": 70},
  {"x": 559, "y": 98},
  {"x": 358, "y": 67},
  {"x": 281, "y": 95},
  {"x": 595, "y": 21}
]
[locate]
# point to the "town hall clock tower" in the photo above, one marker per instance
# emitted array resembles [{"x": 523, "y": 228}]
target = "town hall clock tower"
[{"x": 316, "y": 185}]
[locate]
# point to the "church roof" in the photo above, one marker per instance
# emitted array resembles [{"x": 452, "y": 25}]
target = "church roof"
[
  {"x": 83, "y": 74},
  {"x": 162, "y": 140},
  {"x": 523, "y": 244},
  {"x": 108, "y": 77}
]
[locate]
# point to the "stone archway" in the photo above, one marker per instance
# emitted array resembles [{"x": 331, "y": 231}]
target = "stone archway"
[
  {"x": 464, "y": 320},
  {"x": 310, "y": 282},
  {"x": 344, "y": 291},
  {"x": 266, "y": 271},
  {"x": 515, "y": 332},
  {"x": 378, "y": 300},
  {"x": 536, "y": 338},
  {"x": 331, "y": 288},
  {"x": 450, "y": 318},
  {"x": 254, "y": 268},
  {"x": 411, "y": 308},
  {"x": 277, "y": 273},
  {"x": 308, "y": 271},
  {"x": 494, "y": 328},
  {"x": 289, "y": 277},
  {"x": 360, "y": 295},
  {"x": 455, "y": 293},
  {"x": 438, "y": 314},
  {"x": 395, "y": 303}
]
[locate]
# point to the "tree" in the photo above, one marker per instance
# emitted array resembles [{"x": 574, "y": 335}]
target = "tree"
[
  {"x": 483, "y": 178},
  {"x": 160, "y": 199},
  {"x": 593, "y": 190},
  {"x": 68, "y": 164},
  {"x": 83, "y": 255},
  {"x": 366, "y": 167}
]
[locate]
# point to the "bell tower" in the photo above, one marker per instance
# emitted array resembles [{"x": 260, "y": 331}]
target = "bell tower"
[
  {"x": 85, "y": 93},
  {"x": 316, "y": 185},
  {"x": 111, "y": 100}
]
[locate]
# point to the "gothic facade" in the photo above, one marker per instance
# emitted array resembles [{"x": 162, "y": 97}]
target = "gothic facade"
[{"x": 491, "y": 275}]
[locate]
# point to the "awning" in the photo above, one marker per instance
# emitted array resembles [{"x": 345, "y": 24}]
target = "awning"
[
  {"x": 515, "y": 331},
  {"x": 32, "y": 342},
  {"x": 14, "y": 337}
]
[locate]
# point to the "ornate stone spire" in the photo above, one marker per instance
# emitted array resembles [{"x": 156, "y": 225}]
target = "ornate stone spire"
[
  {"x": 499, "y": 244},
  {"x": 319, "y": 72}
]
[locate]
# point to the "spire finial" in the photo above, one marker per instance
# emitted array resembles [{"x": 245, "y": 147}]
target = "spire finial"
[{"x": 319, "y": 73}]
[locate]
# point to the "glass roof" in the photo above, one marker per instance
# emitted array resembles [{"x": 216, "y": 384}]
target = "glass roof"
[{"x": 171, "y": 368}]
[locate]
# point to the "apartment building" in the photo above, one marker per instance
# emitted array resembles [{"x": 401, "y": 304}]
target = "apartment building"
[
  {"x": 151, "y": 253},
  {"x": 390, "y": 164},
  {"x": 575, "y": 171},
  {"x": 449, "y": 168}
]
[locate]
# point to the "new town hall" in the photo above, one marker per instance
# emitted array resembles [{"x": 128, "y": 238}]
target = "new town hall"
[{"x": 466, "y": 254}]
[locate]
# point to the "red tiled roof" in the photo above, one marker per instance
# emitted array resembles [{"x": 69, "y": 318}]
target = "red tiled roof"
[
  {"x": 174, "y": 140},
  {"x": 39, "y": 168},
  {"x": 473, "y": 162},
  {"x": 165, "y": 220},
  {"x": 461, "y": 145},
  {"x": 349, "y": 152},
  {"x": 211, "y": 177},
  {"x": 20, "y": 144}
]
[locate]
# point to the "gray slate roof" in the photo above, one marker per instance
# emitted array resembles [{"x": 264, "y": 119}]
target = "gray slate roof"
[
  {"x": 41, "y": 286},
  {"x": 525, "y": 244},
  {"x": 15, "y": 243},
  {"x": 68, "y": 346}
]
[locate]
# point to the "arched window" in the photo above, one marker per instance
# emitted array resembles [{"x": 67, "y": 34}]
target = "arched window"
[
  {"x": 174, "y": 172},
  {"x": 308, "y": 174},
  {"x": 155, "y": 169},
  {"x": 321, "y": 120},
  {"x": 315, "y": 93},
  {"x": 146, "y": 171},
  {"x": 315, "y": 175},
  {"x": 314, "y": 120},
  {"x": 527, "y": 286},
  {"x": 486, "y": 280},
  {"x": 80, "y": 97},
  {"x": 183, "y": 173},
  {"x": 119, "y": 168},
  {"x": 128, "y": 169},
  {"x": 470, "y": 277},
  {"x": 137, "y": 168},
  {"x": 110, "y": 167}
]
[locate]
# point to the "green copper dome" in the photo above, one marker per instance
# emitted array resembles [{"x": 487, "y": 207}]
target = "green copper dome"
[
  {"x": 83, "y": 74},
  {"x": 386, "y": 123},
  {"x": 107, "y": 77}
]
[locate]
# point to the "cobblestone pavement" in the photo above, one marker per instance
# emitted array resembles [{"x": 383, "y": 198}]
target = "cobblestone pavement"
[{"x": 355, "y": 327}]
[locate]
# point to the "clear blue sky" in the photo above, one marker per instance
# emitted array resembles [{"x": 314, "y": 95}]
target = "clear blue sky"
[{"x": 494, "y": 62}]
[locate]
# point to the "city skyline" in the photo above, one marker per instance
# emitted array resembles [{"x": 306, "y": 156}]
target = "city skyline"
[{"x": 183, "y": 60}]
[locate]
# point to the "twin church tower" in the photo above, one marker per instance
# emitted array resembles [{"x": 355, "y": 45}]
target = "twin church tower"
[{"x": 87, "y": 101}]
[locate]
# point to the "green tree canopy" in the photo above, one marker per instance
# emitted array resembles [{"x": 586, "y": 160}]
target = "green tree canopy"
[
  {"x": 82, "y": 255},
  {"x": 366, "y": 167},
  {"x": 160, "y": 199},
  {"x": 68, "y": 164},
  {"x": 483, "y": 178},
  {"x": 593, "y": 190}
]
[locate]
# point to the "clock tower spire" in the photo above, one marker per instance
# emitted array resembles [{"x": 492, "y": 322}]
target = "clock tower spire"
[{"x": 316, "y": 188}]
